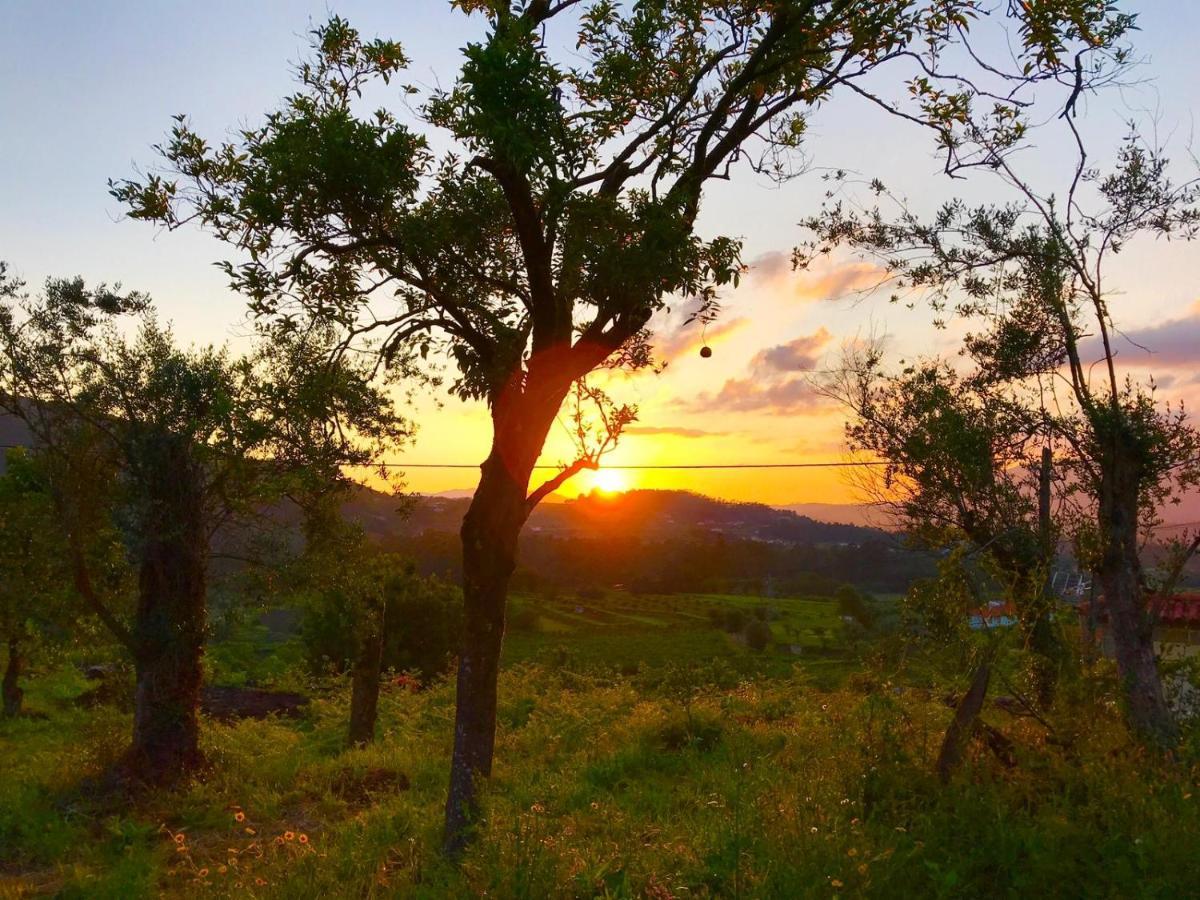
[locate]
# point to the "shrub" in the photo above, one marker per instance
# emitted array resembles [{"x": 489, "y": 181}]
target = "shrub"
[
  {"x": 758, "y": 635},
  {"x": 424, "y": 625}
]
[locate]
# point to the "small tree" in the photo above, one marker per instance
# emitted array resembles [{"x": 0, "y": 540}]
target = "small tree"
[
  {"x": 1033, "y": 276},
  {"x": 539, "y": 248},
  {"x": 34, "y": 580},
  {"x": 964, "y": 464},
  {"x": 171, "y": 445}
]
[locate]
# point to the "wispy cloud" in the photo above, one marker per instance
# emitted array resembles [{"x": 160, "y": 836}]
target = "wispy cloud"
[
  {"x": 674, "y": 432},
  {"x": 771, "y": 384},
  {"x": 686, "y": 339},
  {"x": 825, "y": 279},
  {"x": 797, "y": 355},
  {"x": 1171, "y": 344}
]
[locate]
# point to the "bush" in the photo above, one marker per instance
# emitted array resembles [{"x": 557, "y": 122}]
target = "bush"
[
  {"x": 758, "y": 635},
  {"x": 424, "y": 627}
]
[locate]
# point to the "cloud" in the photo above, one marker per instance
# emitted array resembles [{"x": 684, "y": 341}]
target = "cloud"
[
  {"x": 800, "y": 354},
  {"x": 824, "y": 279},
  {"x": 771, "y": 384},
  {"x": 674, "y": 432},
  {"x": 756, "y": 395},
  {"x": 690, "y": 338},
  {"x": 1171, "y": 344}
]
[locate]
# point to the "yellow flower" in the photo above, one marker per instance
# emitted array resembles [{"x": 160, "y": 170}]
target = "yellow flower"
[{"x": 853, "y": 851}]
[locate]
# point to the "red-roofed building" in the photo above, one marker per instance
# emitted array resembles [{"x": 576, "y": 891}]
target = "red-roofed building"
[
  {"x": 997, "y": 614},
  {"x": 1176, "y": 619}
]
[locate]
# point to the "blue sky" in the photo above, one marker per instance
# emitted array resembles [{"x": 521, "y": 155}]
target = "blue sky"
[{"x": 87, "y": 88}]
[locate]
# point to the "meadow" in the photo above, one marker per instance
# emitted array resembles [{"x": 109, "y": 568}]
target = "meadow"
[{"x": 641, "y": 752}]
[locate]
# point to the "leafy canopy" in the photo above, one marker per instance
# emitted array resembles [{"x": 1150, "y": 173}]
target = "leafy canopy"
[{"x": 582, "y": 134}]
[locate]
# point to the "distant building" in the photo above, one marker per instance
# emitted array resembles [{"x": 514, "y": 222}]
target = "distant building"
[
  {"x": 1176, "y": 622},
  {"x": 997, "y": 614}
]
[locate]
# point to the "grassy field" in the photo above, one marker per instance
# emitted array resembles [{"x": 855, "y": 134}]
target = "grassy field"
[{"x": 634, "y": 760}]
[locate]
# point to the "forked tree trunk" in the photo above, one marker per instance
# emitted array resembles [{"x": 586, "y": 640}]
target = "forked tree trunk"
[
  {"x": 12, "y": 675},
  {"x": 490, "y": 531},
  {"x": 171, "y": 618},
  {"x": 1129, "y": 621},
  {"x": 364, "y": 684}
]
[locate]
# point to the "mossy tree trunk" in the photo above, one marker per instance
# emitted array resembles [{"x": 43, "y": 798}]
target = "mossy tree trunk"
[{"x": 169, "y": 628}]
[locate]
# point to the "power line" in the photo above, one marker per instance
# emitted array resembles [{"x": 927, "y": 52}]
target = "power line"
[{"x": 807, "y": 465}]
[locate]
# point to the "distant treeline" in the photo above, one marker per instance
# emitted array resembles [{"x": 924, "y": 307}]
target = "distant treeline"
[{"x": 699, "y": 563}]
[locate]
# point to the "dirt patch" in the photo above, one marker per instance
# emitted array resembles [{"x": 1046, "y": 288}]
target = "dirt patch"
[{"x": 230, "y": 703}]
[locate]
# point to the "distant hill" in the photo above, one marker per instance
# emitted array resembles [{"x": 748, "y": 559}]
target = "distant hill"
[{"x": 636, "y": 514}]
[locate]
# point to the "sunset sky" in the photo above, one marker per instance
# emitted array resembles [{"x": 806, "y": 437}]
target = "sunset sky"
[{"x": 85, "y": 89}]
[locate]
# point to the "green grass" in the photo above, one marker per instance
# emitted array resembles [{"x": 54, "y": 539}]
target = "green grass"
[{"x": 629, "y": 764}]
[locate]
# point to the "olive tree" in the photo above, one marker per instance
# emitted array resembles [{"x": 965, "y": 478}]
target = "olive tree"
[
  {"x": 537, "y": 249},
  {"x": 963, "y": 464},
  {"x": 169, "y": 445},
  {"x": 1041, "y": 366}
]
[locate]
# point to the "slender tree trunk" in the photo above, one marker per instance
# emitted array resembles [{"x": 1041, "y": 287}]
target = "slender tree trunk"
[
  {"x": 1128, "y": 618},
  {"x": 364, "y": 684},
  {"x": 490, "y": 531},
  {"x": 12, "y": 674},
  {"x": 171, "y": 618}
]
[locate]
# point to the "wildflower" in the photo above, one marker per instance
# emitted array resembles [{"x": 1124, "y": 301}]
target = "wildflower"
[
  {"x": 222, "y": 869},
  {"x": 239, "y": 816},
  {"x": 180, "y": 838},
  {"x": 289, "y": 835},
  {"x": 303, "y": 838},
  {"x": 836, "y": 883},
  {"x": 853, "y": 851},
  {"x": 259, "y": 881},
  {"x": 203, "y": 873},
  {"x": 862, "y": 868},
  {"x": 813, "y": 830}
]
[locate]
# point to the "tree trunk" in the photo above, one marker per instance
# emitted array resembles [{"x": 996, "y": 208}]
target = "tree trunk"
[
  {"x": 966, "y": 715},
  {"x": 489, "y": 535},
  {"x": 490, "y": 531},
  {"x": 1129, "y": 622},
  {"x": 12, "y": 674},
  {"x": 171, "y": 617},
  {"x": 364, "y": 684}
]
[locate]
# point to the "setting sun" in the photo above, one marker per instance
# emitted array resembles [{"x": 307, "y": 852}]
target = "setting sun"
[{"x": 609, "y": 481}]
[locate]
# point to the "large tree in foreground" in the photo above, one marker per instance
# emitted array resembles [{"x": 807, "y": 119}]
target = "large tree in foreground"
[{"x": 584, "y": 133}]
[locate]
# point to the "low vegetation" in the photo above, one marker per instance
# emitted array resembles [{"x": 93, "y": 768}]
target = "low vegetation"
[{"x": 641, "y": 757}]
